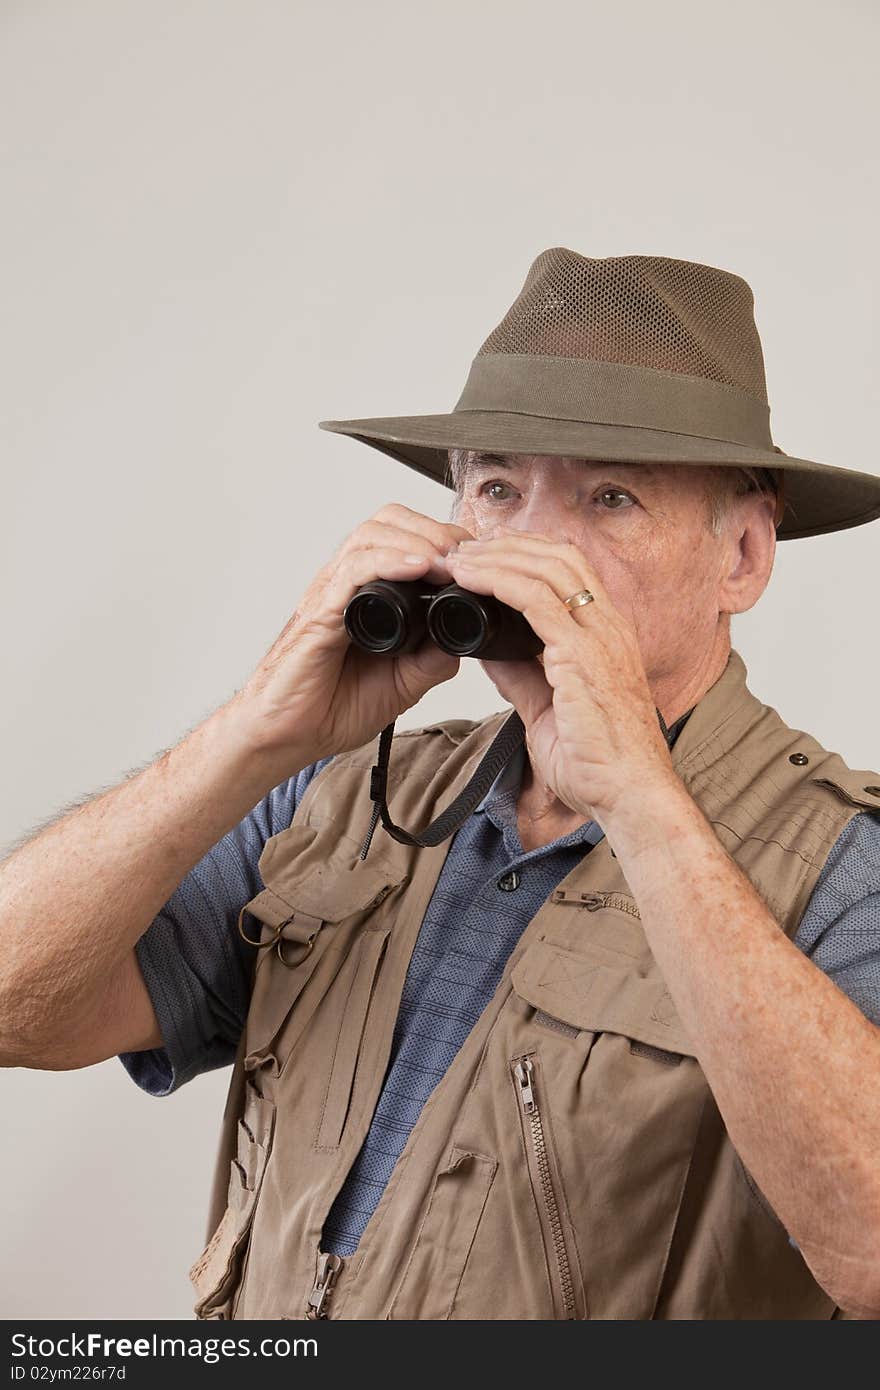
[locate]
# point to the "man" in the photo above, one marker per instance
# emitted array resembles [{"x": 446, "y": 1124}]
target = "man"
[{"x": 611, "y": 1052}]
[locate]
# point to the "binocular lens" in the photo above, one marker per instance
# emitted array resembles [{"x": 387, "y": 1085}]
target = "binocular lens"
[
  {"x": 375, "y": 623},
  {"x": 457, "y": 625},
  {"x": 394, "y": 616}
]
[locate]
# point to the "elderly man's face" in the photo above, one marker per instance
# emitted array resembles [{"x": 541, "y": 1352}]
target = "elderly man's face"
[{"x": 644, "y": 529}]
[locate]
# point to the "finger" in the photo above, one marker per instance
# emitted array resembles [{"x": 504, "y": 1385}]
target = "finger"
[
  {"x": 439, "y": 533},
  {"x": 539, "y": 604},
  {"x": 556, "y": 573},
  {"x": 372, "y": 537},
  {"x": 430, "y": 663},
  {"x": 525, "y": 543},
  {"x": 360, "y": 567}
]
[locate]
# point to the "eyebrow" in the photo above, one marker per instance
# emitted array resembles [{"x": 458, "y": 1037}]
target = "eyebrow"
[
  {"x": 489, "y": 461},
  {"x": 486, "y": 460}
]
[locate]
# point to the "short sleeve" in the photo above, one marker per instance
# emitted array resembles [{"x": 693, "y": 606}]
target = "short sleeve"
[
  {"x": 840, "y": 929},
  {"x": 197, "y": 968}
]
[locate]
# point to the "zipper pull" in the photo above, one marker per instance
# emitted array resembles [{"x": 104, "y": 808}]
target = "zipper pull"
[
  {"x": 524, "y": 1071},
  {"x": 328, "y": 1268}
]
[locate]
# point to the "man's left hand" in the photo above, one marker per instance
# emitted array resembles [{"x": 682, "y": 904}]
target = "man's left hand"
[{"x": 591, "y": 724}]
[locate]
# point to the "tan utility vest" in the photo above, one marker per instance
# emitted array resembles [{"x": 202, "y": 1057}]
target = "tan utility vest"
[{"x": 571, "y": 1163}]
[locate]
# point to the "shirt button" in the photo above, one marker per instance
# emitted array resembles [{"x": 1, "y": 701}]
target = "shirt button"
[{"x": 509, "y": 881}]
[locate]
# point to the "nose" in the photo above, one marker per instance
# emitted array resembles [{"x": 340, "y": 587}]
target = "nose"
[
  {"x": 531, "y": 516},
  {"x": 536, "y": 521},
  {"x": 556, "y": 511}
]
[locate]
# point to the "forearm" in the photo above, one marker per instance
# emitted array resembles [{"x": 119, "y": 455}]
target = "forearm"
[
  {"x": 793, "y": 1064},
  {"x": 76, "y": 897}
]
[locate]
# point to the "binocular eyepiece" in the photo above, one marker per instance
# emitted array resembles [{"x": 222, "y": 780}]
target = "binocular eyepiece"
[{"x": 395, "y": 616}]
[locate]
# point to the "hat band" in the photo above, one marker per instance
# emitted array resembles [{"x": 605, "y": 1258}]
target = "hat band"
[{"x": 615, "y": 393}]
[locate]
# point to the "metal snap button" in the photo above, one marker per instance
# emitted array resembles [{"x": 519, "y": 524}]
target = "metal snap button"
[
  {"x": 509, "y": 881},
  {"x": 799, "y": 758}
]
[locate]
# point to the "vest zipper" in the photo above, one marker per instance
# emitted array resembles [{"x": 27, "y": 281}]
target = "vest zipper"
[
  {"x": 328, "y": 1268},
  {"x": 592, "y": 901},
  {"x": 525, "y": 1076}
]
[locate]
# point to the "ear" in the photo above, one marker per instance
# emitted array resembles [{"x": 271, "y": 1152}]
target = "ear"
[{"x": 748, "y": 552}]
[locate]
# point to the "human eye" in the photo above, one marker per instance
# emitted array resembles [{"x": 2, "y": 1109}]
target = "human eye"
[
  {"x": 615, "y": 492},
  {"x": 483, "y": 490}
]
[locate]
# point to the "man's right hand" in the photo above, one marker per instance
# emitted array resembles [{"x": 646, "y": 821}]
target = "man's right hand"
[
  {"x": 75, "y": 899},
  {"x": 316, "y": 690}
]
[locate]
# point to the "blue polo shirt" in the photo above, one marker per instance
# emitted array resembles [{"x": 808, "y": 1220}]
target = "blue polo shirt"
[{"x": 198, "y": 969}]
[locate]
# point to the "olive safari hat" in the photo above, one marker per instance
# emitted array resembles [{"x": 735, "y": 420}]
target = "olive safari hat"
[{"x": 642, "y": 359}]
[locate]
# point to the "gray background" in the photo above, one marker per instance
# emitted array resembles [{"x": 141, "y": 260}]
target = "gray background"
[{"x": 222, "y": 222}]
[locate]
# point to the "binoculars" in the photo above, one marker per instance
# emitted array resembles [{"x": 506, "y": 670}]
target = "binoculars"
[{"x": 395, "y": 616}]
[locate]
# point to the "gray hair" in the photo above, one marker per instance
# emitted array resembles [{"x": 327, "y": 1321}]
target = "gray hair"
[{"x": 723, "y": 484}]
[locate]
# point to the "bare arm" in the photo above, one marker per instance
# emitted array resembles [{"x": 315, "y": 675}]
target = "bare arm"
[
  {"x": 76, "y": 898},
  {"x": 794, "y": 1065}
]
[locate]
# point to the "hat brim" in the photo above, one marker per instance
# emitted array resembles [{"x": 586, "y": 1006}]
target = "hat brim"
[{"x": 819, "y": 497}]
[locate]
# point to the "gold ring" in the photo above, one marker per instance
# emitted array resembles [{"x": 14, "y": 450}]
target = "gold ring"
[{"x": 579, "y": 599}]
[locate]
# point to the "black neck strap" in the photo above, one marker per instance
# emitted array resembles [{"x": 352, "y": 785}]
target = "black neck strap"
[{"x": 505, "y": 743}]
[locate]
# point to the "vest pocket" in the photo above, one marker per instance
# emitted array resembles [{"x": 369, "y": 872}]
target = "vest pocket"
[
  {"x": 546, "y": 1183},
  {"x": 610, "y": 1111},
  {"x": 362, "y": 965},
  {"x": 216, "y": 1273},
  {"x": 444, "y": 1238},
  {"x": 317, "y": 897}
]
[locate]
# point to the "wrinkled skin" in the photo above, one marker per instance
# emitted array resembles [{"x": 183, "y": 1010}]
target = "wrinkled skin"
[
  {"x": 315, "y": 693},
  {"x": 658, "y": 633}
]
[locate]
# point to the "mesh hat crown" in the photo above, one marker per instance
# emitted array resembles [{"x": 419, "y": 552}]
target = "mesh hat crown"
[{"x": 641, "y": 359}]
